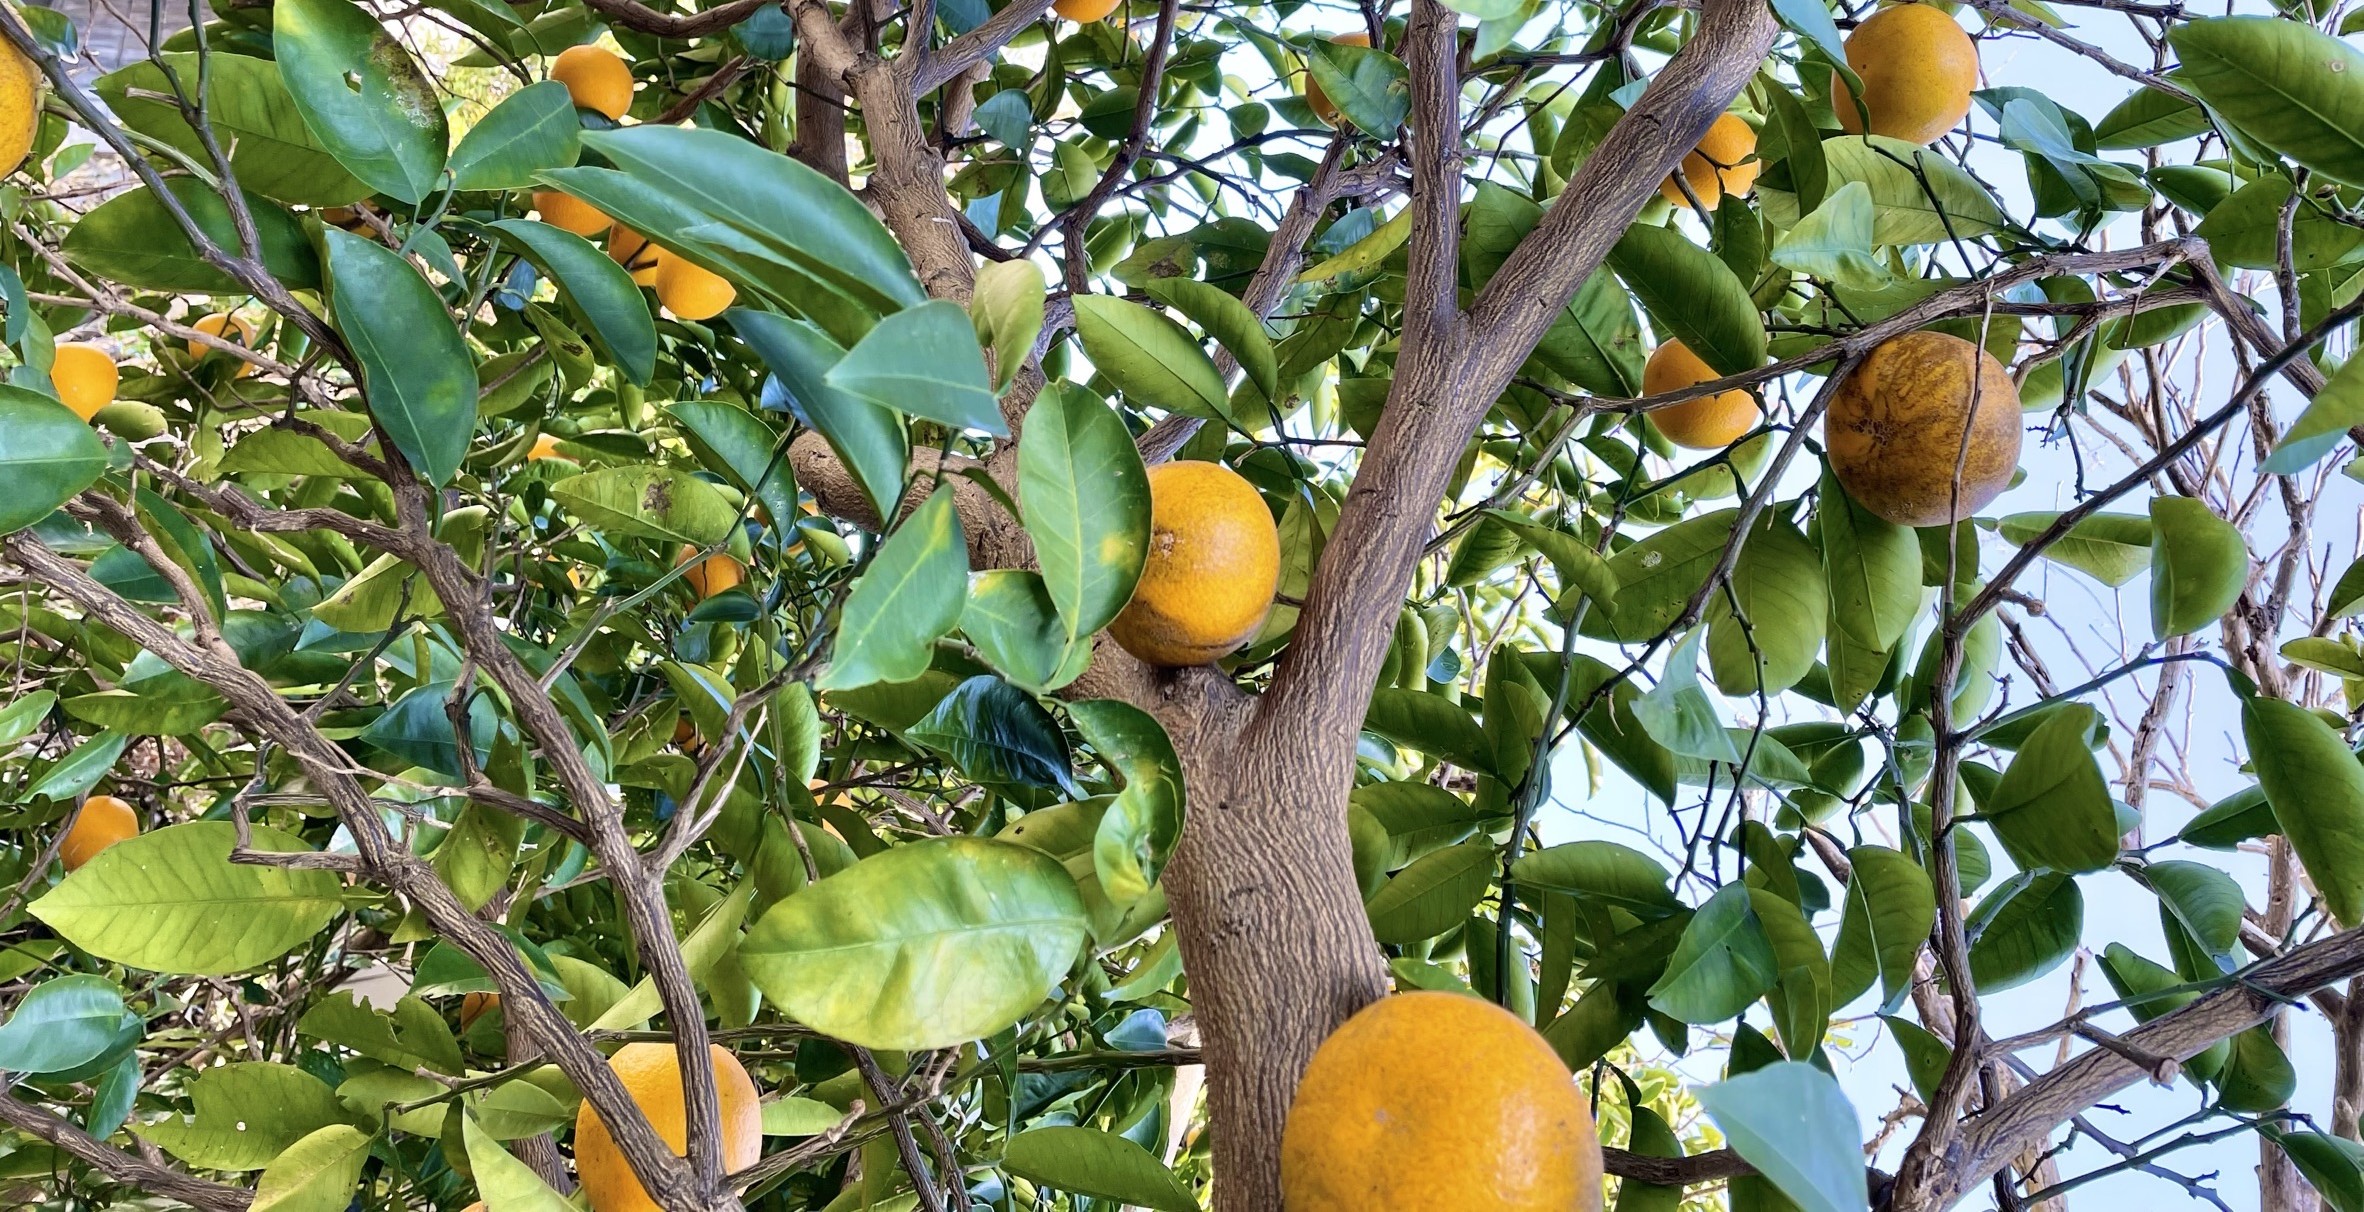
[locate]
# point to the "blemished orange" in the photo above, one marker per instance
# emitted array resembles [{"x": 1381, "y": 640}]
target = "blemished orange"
[
  {"x": 1707, "y": 423},
  {"x": 595, "y": 78},
  {"x": 632, "y": 250},
  {"x": 692, "y": 292},
  {"x": 103, "y": 821},
  {"x": 1918, "y": 68},
  {"x": 1319, "y": 100},
  {"x": 651, "y": 1073},
  {"x": 1725, "y": 162},
  {"x": 567, "y": 212},
  {"x": 1895, "y": 429},
  {"x": 474, "y": 1006},
  {"x": 1085, "y": 10},
  {"x": 712, "y": 574},
  {"x": 1213, "y": 566},
  {"x": 1438, "y": 1102},
  {"x": 85, "y": 378},
  {"x": 215, "y": 325}
]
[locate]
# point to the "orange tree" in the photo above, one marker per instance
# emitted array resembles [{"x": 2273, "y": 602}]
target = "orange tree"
[{"x": 448, "y": 644}]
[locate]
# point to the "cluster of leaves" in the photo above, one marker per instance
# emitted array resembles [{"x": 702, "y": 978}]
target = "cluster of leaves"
[{"x": 884, "y": 829}]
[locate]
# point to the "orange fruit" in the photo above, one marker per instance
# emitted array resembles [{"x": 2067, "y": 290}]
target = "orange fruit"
[
  {"x": 1213, "y": 566},
  {"x": 213, "y": 325},
  {"x": 1707, "y": 423},
  {"x": 20, "y": 107},
  {"x": 1438, "y": 1102},
  {"x": 1084, "y": 10},
  {"x": 567, "y": 212},
  {"x": 1319, "y": 100},
  {"x": 685, "y": 732},
  {"x": 1895, "y": 429},
  {"x": 473, "y": 1006},
  {"x": 348, "y": 217},
  {"x": 712, "y": 574},
  {"x": 1918, "y": 69},
  {"x": 103, "y": 821},
  {"x": 595, "y": 78},
  {"x": 651, "y": 1073},
  {"x": 692, "y": 292},
  {"x": 1724, "y": 163},
  {"x": 85, "y": 378},
  {"x": 546, "y": 447},
  {"x": 632, "y": 250}
]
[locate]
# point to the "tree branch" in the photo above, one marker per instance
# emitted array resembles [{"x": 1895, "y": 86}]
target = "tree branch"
[{"x": 118, "y": 1165}]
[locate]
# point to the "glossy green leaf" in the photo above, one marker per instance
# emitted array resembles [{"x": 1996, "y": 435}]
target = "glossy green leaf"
[
  {"x": 1010, "y": 618},
  {"x": 2320, "y": 429},
  {"x": 2025, "y": 928},
  {"x": 997, "y": 734},
  {"x": 1723, "y": 962},
  {"x": 792, "y": 1116},
  {"x": 61, "y": 1024},
  {"x": 1006, "y": 310},
  {"x": 1432, "y": 895},
  {"x": 416, "y": 373},
  {"x": 1104, "y": 1165},
  {"x": 247, "y": 1113},
  {"x": 1889, "y": 909},
  {"x": 2199, "y": 565},
  {"x": 133, "y": 239},
  {"x": 363, "y": 97},
  {"x": 2284, "y": 84},
  {"x": 1606, "y": 872},
  {"x": 1223, "y": 317},
  {"x": 2316, "y": 788},
  {"x": 1783, "y": 600},
  {"x": 1835, "y": 241},
  {"x": 1691, "y": 296},
  {"x": 504, "y": 1181},
  {"x": 1086, "y": 498},
  {"x": 911, "y": 594},
  {"x": 1903, "y": 180},
  {"x": 156, "y": 902},
  {"x": 531, "y": 129},
  {"x": 598, "y": 292},
  {"x": 1371, "y": 87},
  {"x": 1657, "y": 577},
  {"x": 1416, "y": 719},
  {"x": 2333, "y": 1165},
  {"x": 47, "y": 454},
  {"x": 80, "y": 770},
  {"x": 2257, "y": 1075},
  {"x": 2203, "y": 902},
  {"x": 1136, "y": 835},
  {"x": 2245, "y": 230},
  {"x": 316, "y": 1174},
  {"x": 1792, "y": 1122},
  {"x": 2052, "y": 808},
  {"x": 924, "y": 945},
  {"x": 731, "y": 440},
  {"x": 2112, "y": 548},
  {"x": 254, "y": 119},
  {"x": 1801, "y": 996},
  {"x": 649, "y": 502},
  {"x": 1677, "y": 713},
  {"x": 1149, "y": 358},
  {"x": 868, "y": 439},
  {"x": 923, "y": 361},
  {"x": 2148, "y": 118}
]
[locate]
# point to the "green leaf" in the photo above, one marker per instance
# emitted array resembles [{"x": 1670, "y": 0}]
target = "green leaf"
[
  {"x": 157, "y": 901},
  {"x": 740, "y": 445},
  {"x": 1432, "y": 895},
  {"x": 1677, "y": 714},
  {"x": 1103, "y": 1165},
  {"x": 247, "y": 1114},
  {"x": 792, "y": 1116},
  {"x": 2284, "y": 84},
  {"x": 132, "y": 239},
  {"x": 1784, "y": 605},
  {"x": 868, "y": 439},
  {"x": 531, "y": 129},
  {"x": 63, "y": 1024},
  {"x": 416, "y": 374},
  {"x": 2257, "y": 1076},
  {"x": 1801, "y": 996},
  {"x": 1416, "y": 719},
  {"x": 1792, "y": 1122},
  {"x": 1086, "y": 498},
  {"x": 1006, "y": 310},
  {"x": 1149, "y": 358},
  {"x": 1691, "y": 296},
  {"x": 1136, "y": 835},
  {"x": 2025, "y": 928},
  {"x": 1723, "y": 962},
  {"x": 649, "y": 502},
  {"x": 254, "y": 119},
  {"x": 2205, "y": 902},
  {"x": 997, "y": 734},
  {"x": 1657, "y": 576},
  {"x": 1605, "y": 872},
  {"x": 315, "y": 1174},
  {"x": 1873, "y": 567},
  {"x": 598, "y": 292},
  {"x": 20, "y": 718},
  {"x": 47, "y": 455},
  {"x": 911, "y": 595},
  {"x": 504, "y": 1181},
  {"x": 361, "y": 94},
  {"x": 1579, "y": 567},
  {"x": 1371, "y": 87},
  {"x": 1228, "y": 321},
  {"x": 1650, "y": 1136},
  {"x": 2335, "y": 410},
  {"x": 2199, "y": 565},
  {"x": 1889, "y": 909},
  {"x": 2333, "y": 1165},
  {"x": 1902, "y": 179},
  {"x": 412, "y": 1036},
  {"x": 708, "y": 943},
  {"x": 2245, "y": 230},
  {"x": 924, "y": 945},
  {"x": 2316, "y": 787},
  {"x": 2148, "y": 118},
  {"x": 923, "y": 361},
  {"x": 79, "y": 771},
  {"x": 2112, "y": 548},
  {"x": 2052, "y": 808},
  {"x": 1835, "y": 241},
  {"x": 1010, "y": 618}
]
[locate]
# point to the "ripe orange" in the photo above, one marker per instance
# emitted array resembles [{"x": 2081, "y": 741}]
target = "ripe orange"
[
  {"x": 348, "y": 217},
  {"x": 1918, "y": 68},
  {"x": 1438, "y": 1102},
  {"x": 1080, "y": 11},
  {"x": 685, "y": 733},
  {"x": 596, "y": 78},
  {"x": 474, "y": 1005},
  {"x": 1707, "y": 423},
  {"x": 1319, "y": 100},
  {"x": 692, "y": 292},
  {"x": 1724, "y": 163},
  {"x": 546, "y": 447},
  {"x": 214, "y": 325},
  {"x": 567, "y": 212},
  {"x": 1895, "y": 429},
  {"x": 632, "y": 250},
  {"x": 104, "y": 821},
  {"x": 711, "y": 575},
  {"x": 1214, "y": 564},
  {"x": 85, "y": 378},
  {"x": 20, "y": 108},
  {"x": 652, "y": 1075}
]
